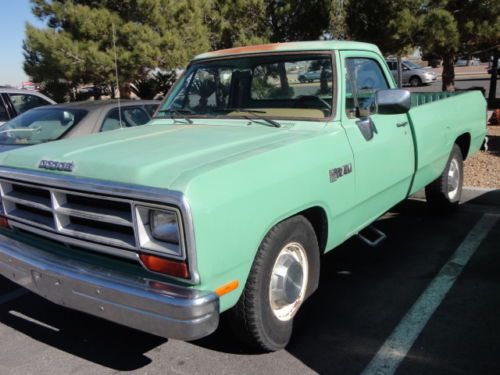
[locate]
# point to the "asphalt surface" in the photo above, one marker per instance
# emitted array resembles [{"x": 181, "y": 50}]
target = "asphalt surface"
[{"x": 363, "y": 296}]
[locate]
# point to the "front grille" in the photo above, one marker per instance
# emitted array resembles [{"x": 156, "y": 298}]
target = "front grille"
[{"x": 94, "y": 218}]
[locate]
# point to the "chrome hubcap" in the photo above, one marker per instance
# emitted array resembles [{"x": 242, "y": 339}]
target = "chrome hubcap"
[
  {"x": 453, "y": 179},
  {"x": 288, "y": 281}
]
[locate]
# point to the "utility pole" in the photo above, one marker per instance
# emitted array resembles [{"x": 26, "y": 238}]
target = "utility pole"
[
  {"x": 493, "y": 79},
  {"x": 400, "y": 72}
]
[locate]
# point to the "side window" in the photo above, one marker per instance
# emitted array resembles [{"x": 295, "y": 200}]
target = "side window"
[
  {"x": 4, "y": 116},
  {"x": 25, "y": 102},
  {"x": 130, "y": 116},
  {"x": 209, "y": 88},
  {"x": 364, "y": 76},
  {"x": 151, "y": 109}
]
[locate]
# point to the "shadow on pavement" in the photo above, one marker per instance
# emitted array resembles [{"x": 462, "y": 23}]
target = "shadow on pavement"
[{"x": 82, "y": 335}]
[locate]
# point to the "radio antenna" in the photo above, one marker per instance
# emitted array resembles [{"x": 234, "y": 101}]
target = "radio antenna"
[{"x": 116, "y": 76}]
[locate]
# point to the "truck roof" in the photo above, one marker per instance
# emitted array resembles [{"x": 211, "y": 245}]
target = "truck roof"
[{"x": 317, "y": 45}]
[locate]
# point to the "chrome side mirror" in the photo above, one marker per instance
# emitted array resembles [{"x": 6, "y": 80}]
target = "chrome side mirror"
[{"x": 392, "y": 102}]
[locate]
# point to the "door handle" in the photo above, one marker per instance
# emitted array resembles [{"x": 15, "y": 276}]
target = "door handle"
[{"x": 401, "y": 124}]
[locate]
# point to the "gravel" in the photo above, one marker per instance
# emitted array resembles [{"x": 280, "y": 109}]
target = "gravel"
[{"x": 483, "y": 168}]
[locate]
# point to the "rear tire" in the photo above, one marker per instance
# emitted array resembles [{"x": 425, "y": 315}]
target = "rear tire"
[
  {"x": 284, "y": 273},
  {"x": 443, "y": 194}
]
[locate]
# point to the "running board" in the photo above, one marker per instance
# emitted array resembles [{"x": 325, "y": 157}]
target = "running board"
[{"x": 368, "y": 233}]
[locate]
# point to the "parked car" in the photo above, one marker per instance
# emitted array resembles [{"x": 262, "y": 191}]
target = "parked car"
[
  {"x": 14, "y": 102},
  {"x": 468, "y": 62},
  {"x": 50, "y": 123},
  {"x": 227, "y": 201},
  {"x": 314, "y": 75},
  {"x": 413, "y": 74}
]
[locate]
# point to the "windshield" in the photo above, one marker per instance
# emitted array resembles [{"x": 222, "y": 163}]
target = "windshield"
[
  {"x": 277, "y": 86},
  {"x": 39, "y": 125},
  {"x": 412, "y": 65}
]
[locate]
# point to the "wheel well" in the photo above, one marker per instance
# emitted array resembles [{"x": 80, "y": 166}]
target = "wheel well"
[
  {"x": 415, "y": 76},
  {"x": 317, "y": 218},
  {"x": 464, "y": 143}
]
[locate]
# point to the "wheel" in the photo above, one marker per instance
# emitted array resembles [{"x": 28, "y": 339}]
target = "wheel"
[
  {"x": 284, "y": 274},
  {"x": 443, "y": 194},
  {"x": 415, "y": 81}
]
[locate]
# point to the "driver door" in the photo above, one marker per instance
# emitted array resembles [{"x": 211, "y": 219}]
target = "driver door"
[{"x": 382, "y": 145}]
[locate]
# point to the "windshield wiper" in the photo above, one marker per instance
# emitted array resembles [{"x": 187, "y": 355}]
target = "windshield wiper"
[
  {"x": 182, "y": 113},
  {"x": 255, "y": 114}
]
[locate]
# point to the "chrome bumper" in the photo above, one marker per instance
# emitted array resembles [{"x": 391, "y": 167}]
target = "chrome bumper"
[{"x": 135, "y": 301}]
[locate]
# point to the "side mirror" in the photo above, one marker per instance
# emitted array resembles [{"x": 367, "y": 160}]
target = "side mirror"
[{"x": 392, "y": 102}]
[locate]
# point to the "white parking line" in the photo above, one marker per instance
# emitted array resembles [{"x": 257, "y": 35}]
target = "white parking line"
[
  {"x": 13, "y": 295},
  {"x": 397, "y": 345}
]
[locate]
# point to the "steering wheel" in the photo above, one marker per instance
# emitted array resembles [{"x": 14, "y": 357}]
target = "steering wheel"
[{"x": 303, "y": 101}]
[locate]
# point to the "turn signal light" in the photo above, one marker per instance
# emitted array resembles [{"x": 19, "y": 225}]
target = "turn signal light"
[
  {"x": 4, "y": 223},
  {"x": 226, "y": 288},
  {"x": 166, "y": 266}
]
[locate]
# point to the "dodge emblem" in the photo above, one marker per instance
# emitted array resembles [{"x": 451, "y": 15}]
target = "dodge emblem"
[{"x": 56, "y": 165}]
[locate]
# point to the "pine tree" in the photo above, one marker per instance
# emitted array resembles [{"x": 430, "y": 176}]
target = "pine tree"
[{"x": 77, "y": 45}]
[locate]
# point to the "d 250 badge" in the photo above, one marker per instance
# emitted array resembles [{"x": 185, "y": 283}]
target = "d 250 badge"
[{"x": 336, "y": 173}]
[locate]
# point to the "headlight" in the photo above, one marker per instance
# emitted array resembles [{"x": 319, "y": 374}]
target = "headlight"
[
  {"x": 164, "y": 226},
  {"x": 160, "y": 231}
]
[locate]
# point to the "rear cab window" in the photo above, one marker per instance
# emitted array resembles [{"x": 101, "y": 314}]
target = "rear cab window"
[{"x": 130, "y": 117}]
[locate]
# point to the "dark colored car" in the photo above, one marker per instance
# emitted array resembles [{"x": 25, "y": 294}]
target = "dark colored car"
[
  {"x": 314, "y": 75},
  {"x": 50, "y": 123},
  {"x": 13, "y": 102}
]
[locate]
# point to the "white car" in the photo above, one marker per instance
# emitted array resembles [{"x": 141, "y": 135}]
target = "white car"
[
  {"x": 13, "y": 102},
  {"x": 413, "y": 74}
]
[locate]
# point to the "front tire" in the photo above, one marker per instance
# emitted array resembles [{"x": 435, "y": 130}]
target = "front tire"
[
  {"x": 415, "y": 81},
  {"x": 284, "y": 273},
  {"x": 443, "y": 194}
]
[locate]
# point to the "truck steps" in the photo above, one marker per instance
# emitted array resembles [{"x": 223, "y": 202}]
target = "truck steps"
[{"x": 371, "y": 236}]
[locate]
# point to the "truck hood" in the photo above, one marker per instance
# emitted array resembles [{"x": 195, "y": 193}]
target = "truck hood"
[{"x": 154, "y": 155}]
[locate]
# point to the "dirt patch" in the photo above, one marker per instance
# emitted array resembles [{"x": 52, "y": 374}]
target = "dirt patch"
[{"x": 483, "y": 168}]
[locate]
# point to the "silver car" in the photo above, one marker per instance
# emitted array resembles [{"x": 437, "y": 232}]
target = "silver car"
[
  {"x": 13, "y": 102},
  {"x": 413, "y": 74},
  {"x": 50, "y": 123}
]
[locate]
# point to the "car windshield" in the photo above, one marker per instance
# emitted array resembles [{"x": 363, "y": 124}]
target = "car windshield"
[
  {"x": 272, "y": 86},
  {"x": 40, "y": 125},
  {"x": 412, "y": 65}
]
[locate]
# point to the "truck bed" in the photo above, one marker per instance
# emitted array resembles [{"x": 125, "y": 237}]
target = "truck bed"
[{"x": 437, "y": 120}]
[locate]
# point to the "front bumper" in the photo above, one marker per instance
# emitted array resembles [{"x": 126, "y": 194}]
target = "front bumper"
[
  {"x": 428, "y": 79},
  {"x": 135, "y": 301}
]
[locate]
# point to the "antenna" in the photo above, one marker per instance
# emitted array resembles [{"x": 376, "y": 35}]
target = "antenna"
[{"x": 116, "y": 76}]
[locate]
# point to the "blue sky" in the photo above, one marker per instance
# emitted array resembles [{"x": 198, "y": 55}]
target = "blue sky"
[{"x": 13, "y": 17}]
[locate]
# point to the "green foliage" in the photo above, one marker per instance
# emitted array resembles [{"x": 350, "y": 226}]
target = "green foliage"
[
  {"x": 455, "y": 27},
  {"x": 78, "y": 44},
  {"x": 292, "y": 20},
  {"x": 392, "y": 25},
  {"x": 145, "y": 88},
  {"x": 338, "y": 27},
  {"x": 56, "y": 90},
  {"x": 235, "y": 23},
  {"x": 439, "y": 32}
]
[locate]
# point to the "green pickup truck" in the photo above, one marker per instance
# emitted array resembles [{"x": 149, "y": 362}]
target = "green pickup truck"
[{"x": 227, "y": 200}]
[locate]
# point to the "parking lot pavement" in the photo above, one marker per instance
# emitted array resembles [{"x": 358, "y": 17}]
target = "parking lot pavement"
[{"x": 364, "y": 294}]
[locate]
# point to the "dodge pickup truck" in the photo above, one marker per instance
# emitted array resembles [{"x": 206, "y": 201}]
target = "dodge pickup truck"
[{"x": 227, "y": 200}]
